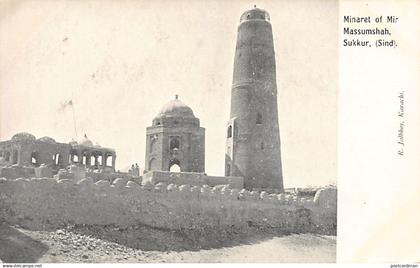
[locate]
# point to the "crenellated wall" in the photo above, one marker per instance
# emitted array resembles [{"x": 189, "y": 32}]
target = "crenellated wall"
[
  {"x": 45, "y": 202},
  {"x": 191, "y": 178}
]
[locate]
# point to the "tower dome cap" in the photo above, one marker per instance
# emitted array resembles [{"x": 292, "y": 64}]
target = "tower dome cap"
[{"x": 255, "y": 14}]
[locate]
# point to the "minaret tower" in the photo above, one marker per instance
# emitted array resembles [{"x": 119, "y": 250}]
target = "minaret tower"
[{"x": 253, "y": 139}]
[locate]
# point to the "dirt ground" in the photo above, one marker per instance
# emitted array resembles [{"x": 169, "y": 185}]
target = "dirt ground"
[{"x": 64, "y": 245}]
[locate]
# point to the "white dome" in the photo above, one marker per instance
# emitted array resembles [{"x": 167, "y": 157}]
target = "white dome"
[{"x": 176, "y": 108}]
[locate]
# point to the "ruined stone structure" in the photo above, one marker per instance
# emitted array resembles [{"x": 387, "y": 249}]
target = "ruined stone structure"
[
  {"x": 253, "y": 139},
  {"x": 25, "y": 150},
  {"x": 175, "y": 139},
  {"x": 24, "y": 156}
]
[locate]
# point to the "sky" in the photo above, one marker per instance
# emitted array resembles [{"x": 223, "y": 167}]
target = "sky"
[{"x": 121, "y": 61}]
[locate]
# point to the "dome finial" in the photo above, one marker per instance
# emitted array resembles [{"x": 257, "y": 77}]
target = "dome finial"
[{"x": 176, "y": 96}]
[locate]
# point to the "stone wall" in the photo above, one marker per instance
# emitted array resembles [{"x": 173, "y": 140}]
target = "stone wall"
[
  {"x": 77, "y": 174},
  {"x": 14, "y": 172},
  {"x": 47, "y": 203},
  {"x": 191, "y": 178}
]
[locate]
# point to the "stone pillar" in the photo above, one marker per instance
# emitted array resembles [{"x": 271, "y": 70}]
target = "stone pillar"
[
  {"x": 104, "y": 155},
  {"x": 80, "y": 155},
  {"x": 87, "y": 159},
  {"x": 19, "y": 162},
  {"x": 113, "y": 160}
]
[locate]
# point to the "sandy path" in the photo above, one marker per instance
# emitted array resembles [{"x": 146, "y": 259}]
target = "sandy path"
[
  {"x": 292, "y": 248},
  {"x": 20, "y": 245}
]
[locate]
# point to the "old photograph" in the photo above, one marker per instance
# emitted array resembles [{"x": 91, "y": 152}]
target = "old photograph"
[{"x": 168, "y": 131}]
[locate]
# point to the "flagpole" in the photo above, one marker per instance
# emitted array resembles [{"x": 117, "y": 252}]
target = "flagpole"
[{"x": 74, "y": 122}]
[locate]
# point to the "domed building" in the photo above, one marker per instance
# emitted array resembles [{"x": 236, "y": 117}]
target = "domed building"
[
  {"x": 175, "y": 141},
  {"x": 25, "y": 150}
]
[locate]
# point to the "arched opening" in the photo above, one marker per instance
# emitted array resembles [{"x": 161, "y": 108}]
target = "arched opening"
[
  {"x": 100, "y": 160},
  {"x": 175, "y": 168},
  {"x": 259, "y": 120},
  {"x": 108, "y": 160},
  {"x": 86, "y": 158},
  {"x": 174, "y": 144},
  {"x": 174, "y": 165},
  {"x": 57, "y": 159},
  {"x": 7, "y": 156},
  {"x": 35, "y": 159},
  {"x": 14, "y": 157},
  {"x": 92, "y": 160},
  {"x": 73, "y": 157},
  {"x": 229, "y": 132},
  {"x": 262, "y": 145}
]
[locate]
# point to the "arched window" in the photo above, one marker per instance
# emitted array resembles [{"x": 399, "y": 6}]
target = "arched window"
[
  {"x": 174, "y": 144},
  {"x": 259, "y": 120},
  {"x": 262, "y": 145},
  {"x": 229, "y": 132}
]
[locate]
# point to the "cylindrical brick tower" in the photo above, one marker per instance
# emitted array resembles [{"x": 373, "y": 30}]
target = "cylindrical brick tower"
[{"x": 253, "y": 139}]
